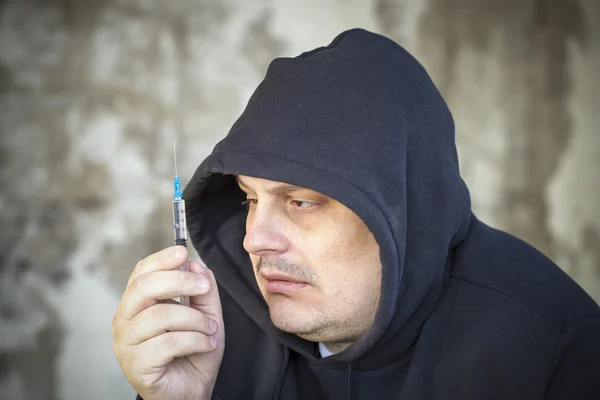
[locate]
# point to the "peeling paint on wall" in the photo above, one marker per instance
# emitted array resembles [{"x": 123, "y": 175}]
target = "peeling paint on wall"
[{"x": 93, "y": 93}]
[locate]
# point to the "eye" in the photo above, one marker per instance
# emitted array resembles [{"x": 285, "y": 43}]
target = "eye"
[
  {"x": 303, "y": 204},
  {"x": 249, "y": 202}
]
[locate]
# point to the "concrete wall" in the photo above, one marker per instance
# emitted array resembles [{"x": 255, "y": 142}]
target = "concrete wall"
[{"x": 92, "y": 93}]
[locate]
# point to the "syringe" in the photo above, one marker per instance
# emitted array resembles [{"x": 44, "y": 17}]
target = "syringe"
[{"x": 179, "y": 224}]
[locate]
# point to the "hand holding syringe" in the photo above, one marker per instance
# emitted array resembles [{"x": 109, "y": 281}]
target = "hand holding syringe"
[
  {"x": 153, "y": 336},
  {"x": 179, "y": 223},
  {"x": 183, "y": 346}
]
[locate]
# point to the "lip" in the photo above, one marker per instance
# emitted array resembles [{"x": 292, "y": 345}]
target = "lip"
[
  {"x": 281, "y": 283},
  {"x": 274, "y": 276}
]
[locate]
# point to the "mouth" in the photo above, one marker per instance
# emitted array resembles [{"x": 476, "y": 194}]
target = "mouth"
[{"x": 280, "y": 283}]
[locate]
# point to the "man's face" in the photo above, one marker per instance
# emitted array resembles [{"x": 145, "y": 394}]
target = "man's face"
[{"x": 315, "y": 261}]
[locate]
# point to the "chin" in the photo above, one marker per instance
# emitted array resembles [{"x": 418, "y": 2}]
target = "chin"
[{"x": 294, "y": 318}]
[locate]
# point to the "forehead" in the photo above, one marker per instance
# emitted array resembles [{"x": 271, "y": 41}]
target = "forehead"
[
  {"x": 248, "y": 183},
  {"x": 253, "y": 183}
]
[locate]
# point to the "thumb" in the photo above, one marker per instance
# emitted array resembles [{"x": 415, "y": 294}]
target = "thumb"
[{"x": 210, "y": 302}]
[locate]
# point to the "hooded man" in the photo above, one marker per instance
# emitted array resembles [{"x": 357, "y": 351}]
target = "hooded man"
[{"x": 348, "y": 261}]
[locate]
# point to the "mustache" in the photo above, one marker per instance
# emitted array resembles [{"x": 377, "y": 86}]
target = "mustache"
[{"x": 295, "y": 270}]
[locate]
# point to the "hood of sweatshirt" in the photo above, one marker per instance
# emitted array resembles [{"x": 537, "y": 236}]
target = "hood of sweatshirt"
[{"x": 360, "y": 121}]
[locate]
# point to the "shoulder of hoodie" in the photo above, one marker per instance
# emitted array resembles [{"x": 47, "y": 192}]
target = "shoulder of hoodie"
[{"x": 495, "y": 264}]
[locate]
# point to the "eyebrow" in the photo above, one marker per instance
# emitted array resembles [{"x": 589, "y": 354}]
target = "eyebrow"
[{"x": 279, "y": 189}]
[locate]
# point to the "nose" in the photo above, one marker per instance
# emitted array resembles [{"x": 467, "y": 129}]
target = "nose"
[{"x": 265, "y": 232}]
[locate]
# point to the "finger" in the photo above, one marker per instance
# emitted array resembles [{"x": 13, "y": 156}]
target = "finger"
[
  {"x": 167, "y": 259},
  {"x": 152, "y": 287},
  {"x": 162, "y": 349},
  {"x": 116, "y": 321},
  {"x": 209, "y": 303},
  {"x": 162, "y": 318}
]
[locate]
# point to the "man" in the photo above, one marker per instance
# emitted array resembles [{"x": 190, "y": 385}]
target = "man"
[{"x": 348, "y": 262}]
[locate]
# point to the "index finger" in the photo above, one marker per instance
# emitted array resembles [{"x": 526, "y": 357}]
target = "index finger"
[{"x": 163, "y": 260}]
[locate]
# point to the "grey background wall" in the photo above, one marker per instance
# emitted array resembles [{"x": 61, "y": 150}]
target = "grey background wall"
[{"x": 92, "y": 94}]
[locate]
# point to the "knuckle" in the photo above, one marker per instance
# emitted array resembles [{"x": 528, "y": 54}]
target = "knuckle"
[
  {"x": 117, "y": 349},
  {"x": 114, "y": 325},
  {"x": 169, "y": 340},
  {"x": 140, "y": 264},
  {"x": 160, "y": 311},
  {"x": 140, "y": 282},
  {"x": 128, "y": 364},
  {"x": 116, "y": 331}
]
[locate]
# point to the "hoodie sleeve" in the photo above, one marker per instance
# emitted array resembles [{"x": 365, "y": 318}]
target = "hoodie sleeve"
[{"x": 576, "y": 372}]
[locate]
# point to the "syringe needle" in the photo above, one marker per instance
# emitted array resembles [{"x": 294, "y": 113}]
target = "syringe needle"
[{"x": 175, "y": 157}]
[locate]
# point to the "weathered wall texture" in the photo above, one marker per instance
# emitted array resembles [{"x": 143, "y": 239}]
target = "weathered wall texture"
[{"x": 92, "y": 93}]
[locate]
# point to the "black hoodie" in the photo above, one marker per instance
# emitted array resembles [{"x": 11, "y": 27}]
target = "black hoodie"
[{"x": 466, "y": 311}]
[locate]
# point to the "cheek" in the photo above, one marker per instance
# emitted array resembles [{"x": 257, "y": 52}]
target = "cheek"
[{"x": 348, "y": 259}]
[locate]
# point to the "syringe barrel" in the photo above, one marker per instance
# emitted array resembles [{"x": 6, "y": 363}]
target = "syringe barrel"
[
  {"x": 180, "y": 232},
  {"x": 179, "y": 223}
]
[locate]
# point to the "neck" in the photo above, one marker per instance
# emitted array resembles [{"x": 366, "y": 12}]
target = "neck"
[{"x": 337, "y": 347}]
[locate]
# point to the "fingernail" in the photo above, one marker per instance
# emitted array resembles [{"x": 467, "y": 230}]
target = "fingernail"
[
  {"x": 176, "y": 253},
  {"x": 213, "y": 342},
  {"x": 212, "y": 324},
  {"x": 202, "y": 282}
]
